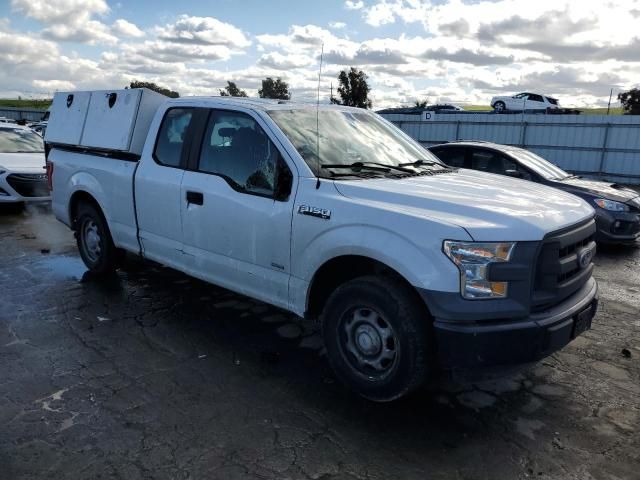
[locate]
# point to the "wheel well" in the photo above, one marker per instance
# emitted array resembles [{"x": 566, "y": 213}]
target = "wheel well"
[
  {"x": 77, "y": 199},
  {"x": 341, "y": 269}
]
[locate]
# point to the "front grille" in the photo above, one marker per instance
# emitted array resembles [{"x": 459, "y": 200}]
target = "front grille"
[
  {"x": 29, "y": 185},
  {"x": 558, "y": 269}
]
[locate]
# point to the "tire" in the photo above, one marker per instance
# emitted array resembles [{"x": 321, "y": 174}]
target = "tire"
[
  {"x": 95, "y": 244},
  {"x": 376, "y": 334},
  {"x": 499, "y": 107}
]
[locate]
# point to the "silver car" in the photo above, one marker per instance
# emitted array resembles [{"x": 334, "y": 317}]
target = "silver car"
[{"x": 22, "y": 165}]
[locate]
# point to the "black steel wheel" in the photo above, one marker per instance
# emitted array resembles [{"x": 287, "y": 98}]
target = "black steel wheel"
[
  {"x": 376, "y": 332},
  {"x": 94, "y": 240}
]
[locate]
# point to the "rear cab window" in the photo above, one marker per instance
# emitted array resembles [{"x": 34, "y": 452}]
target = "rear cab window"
[{"x": 168, "y": 150}]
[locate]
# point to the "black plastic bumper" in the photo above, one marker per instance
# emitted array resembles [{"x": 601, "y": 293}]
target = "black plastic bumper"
[
  {"x": 617, "y": 227},
  {"x": 472, "y": 345}
]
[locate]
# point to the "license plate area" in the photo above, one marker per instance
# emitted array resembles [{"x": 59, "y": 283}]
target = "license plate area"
[{"x": 582, "y": 321}]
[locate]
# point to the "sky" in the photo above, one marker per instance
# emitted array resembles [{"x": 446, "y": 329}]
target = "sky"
[{"x": 454, "y": 51}]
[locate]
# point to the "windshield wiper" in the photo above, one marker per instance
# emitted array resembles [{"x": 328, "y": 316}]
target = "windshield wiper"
[
  {"x": 380, "y": 167},
  {"x": 419, "y": 163}
]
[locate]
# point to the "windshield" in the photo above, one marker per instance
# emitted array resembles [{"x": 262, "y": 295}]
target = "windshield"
[
  {"x": 539, "y": 165},
  {"x": 19, "y": 140},
  {"x": 347, "y": 138}
]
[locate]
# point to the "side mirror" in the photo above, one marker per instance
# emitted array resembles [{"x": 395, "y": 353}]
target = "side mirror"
[
  {"x": 513, "y": 173},
  {"x": 284, "y": 181}
]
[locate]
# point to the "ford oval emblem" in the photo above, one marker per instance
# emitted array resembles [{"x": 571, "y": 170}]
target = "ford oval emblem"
[{"x": 585, "y": 256}]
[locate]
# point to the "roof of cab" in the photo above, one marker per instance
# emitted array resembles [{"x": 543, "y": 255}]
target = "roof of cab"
[{"x": 264, "y": 104}]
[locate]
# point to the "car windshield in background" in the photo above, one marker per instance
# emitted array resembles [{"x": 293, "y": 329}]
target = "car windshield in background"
[
  {"x": 348, "y": 138},
  {"x": 19, "y": 140},
  {"x": 539, "y": 165}
]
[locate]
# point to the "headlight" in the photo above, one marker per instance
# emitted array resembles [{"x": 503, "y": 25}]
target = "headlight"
[
  {"x": 611, "y": 205},
  {"x": 472, "y": 259}
]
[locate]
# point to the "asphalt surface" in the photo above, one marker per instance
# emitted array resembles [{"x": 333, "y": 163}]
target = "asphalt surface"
[{"x": 152, "y": 374}]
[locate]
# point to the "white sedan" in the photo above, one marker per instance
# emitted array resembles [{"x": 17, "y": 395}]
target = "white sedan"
[
  {"x": 22, "y": 165},
  {"x": 524, "y": 101}
]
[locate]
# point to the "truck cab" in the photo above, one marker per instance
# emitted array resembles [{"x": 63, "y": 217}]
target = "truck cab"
[{"x": 331, "y": 213}]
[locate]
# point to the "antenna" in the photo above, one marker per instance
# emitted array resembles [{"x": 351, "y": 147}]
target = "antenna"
[{"x": 318, "y": 120}]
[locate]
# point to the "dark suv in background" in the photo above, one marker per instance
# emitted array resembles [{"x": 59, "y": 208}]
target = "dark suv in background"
[{"x": 617, "y": 207}]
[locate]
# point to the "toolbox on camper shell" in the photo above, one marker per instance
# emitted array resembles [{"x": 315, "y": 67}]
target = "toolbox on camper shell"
[{"x": 110, "y": 120}]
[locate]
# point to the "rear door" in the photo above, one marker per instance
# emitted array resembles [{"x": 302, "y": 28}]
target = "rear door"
[
  {"x": 236, "y": 226},
  {"x": 535, "y": 102},
  {"x": 157, "y": 189}
]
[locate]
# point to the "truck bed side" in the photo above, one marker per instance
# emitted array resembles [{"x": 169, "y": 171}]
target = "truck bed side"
[{"x": 109, "y": 181}]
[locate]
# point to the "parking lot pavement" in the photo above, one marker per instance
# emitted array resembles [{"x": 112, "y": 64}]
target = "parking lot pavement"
[{"x": 152, "y": 374}]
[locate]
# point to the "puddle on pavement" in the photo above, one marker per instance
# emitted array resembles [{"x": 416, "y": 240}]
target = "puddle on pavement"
[{"x": 65, "y": 267}]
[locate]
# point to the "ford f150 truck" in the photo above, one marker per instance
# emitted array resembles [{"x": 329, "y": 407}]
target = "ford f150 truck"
[{"x": 334, "y": 214}]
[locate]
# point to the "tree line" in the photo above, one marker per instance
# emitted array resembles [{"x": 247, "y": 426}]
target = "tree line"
[{"x": 353, "y": 89}]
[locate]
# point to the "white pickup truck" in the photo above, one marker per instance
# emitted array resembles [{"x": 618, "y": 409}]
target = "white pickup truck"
[{"x": 330, "y": 213}]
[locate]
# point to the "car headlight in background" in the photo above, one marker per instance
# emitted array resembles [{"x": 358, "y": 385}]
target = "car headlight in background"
[
  {"x": 472, "y": 259},
  {"x": 611, "y": 205}
]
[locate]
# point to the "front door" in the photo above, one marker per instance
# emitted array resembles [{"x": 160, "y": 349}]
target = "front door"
[{"x": 236, "y": 222}]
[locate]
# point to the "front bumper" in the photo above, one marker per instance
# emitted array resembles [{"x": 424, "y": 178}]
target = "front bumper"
[
  {"x": 617, "y": 227},
  {"x": 500, "y": 343},
  {"x": 23, "y": 187}
]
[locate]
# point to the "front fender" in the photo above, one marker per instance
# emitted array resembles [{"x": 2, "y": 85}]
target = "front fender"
[{"x": 421, "y": 265}]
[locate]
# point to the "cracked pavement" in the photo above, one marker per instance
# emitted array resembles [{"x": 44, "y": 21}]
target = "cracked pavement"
[{"x": 152, "y": 374}]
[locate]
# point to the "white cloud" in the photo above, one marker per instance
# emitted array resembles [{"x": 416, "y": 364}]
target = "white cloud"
[
  {"x": 60, "y": 11},
  {"x": 203, "y": 31},
  {"x": 281, "y": 61},
  {"x": 123, "y": 28},
  {"x": 337, "y": 25},
  {"x": 386, "y": 11},
  {"x": 357, "y": 5},
  {"x": 68, "y": 20}
]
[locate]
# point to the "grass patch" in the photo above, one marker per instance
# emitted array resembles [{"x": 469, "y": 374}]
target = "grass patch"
[{"x": 24, "y": 103}]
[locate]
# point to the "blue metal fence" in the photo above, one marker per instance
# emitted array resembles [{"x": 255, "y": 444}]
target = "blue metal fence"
[{"x": 28, "y": 114}]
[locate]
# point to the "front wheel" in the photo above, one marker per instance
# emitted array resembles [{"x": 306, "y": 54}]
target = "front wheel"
[
  {"x": 499, "y": 107},
  {"x": 94, "y": 240},
  {"x": 376, "y": 334}
]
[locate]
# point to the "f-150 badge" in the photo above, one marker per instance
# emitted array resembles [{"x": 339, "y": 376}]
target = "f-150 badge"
[{"x": 315, "y": 212}]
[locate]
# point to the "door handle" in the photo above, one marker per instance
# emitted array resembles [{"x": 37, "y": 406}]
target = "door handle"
[{"x": 195, "y": 197}]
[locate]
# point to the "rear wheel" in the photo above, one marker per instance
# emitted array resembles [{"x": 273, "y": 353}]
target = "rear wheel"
[
  {"x": 499, "y": 107},
  {"x": 375, "y": 332},
  {"x": 94, "y": 240}
]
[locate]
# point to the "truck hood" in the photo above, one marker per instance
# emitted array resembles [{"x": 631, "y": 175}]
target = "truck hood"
[
  {"x": 489, "y": 207},
  {"x": 610, "y": 191},
  {"x": 23, "y": 162}
]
